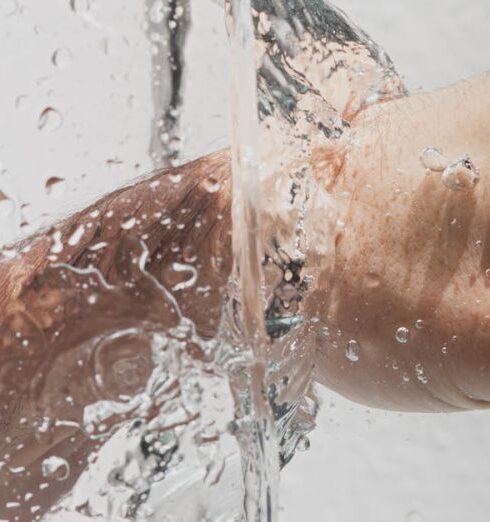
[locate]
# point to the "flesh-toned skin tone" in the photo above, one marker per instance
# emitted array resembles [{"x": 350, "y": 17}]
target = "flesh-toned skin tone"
[{"x": 408, "y": 252}]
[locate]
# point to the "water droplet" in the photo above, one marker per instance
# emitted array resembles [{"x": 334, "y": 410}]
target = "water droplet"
[
  {"x": 372, "y": 280},
  {"x": 461, "y": 175},
  {"x": 402, "y": 335},
  {"x": 188, "y": 254},
  {"x": 8, "y": 7},
  {"x": 49, "y": 120},
  {"x": 212, "y": 185},
  {"x": 61, "y": 58},
  {"x": 433, "y": 159},
  {"x": 80, "y": 6},
  {"x": 22, "y": 102},
  {"x": 420, "y": 373},
  {"x": 129, "y": 223},
  {"x": 419, "y": 324},
  {"x": 55, "y": 468},
  {"x": 303, "y": 443},
  {"x": 175, "y": 177},
  {"x": 55, "y": 186},
  {"x": 7, "y": 206},
  {"x": 74, "y": 239},
  {"x": 57, "y": 246},
  {"x": 184, "y": 269},
  {"x": 156, "y": 12},
  {"x": 352, "y": 350}
]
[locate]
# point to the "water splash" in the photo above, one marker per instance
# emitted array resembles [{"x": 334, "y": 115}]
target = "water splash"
[{"x": 132, "y": 398}]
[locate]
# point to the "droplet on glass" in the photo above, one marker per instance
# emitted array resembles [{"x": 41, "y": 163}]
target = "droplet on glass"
[
  {"x": 303, "y": 443},
  {"x": 352, "y": 350},
  {"x": 57, "y": 246},
  {"x": 55, "y": 186},
  {"x": 22, "y": 102},
  {"x": 402, "y": 335},
  {"x": 175, "y": 178},
  {"x": 49, "y": 120},
  {"x": 55, "y": 468},
  {"x": 129, "y": 223},
  {"x": 433, "y": 159},
  {"x": 61, "y": 58},
  {"x": 420, "y": 373},
  {"x": 461, "y": 175},
  {"x": 212, "y": 185},
  {"x": 74, "y": 239}
]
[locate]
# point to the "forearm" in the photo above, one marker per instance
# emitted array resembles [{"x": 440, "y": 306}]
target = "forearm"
[
  {"x": 413, "y": 250},
  {"x": 171, "y": 211}
]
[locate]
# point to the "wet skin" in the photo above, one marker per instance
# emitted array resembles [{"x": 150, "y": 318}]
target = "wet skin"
[{"x": 408, "y": 249}]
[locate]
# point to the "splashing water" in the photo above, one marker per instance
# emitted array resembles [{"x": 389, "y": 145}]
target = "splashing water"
[{"x": 131, "y": 412}]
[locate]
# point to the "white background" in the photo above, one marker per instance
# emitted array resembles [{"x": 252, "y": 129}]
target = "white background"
[{"x": 364, "y": 466}]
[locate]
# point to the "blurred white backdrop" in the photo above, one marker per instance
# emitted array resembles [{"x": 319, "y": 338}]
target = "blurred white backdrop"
[{"x": 75, "y": 105}]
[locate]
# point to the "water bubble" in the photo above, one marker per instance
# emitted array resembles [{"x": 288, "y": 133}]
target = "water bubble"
[
  {"x": 61, "y": 58},
  {"x": 8, "y": 7},
  {"x": 433, "y": 159},
  {"x": 49, "y": 120},
  {"x": 55, "y": 186},
  {"x": 352, "y": 350},
  {"x": 55, "y": 468},
  {"x": 402, "y": 335},
  {"x": 461, "y": 175},
  {"x": 419, "y": 324},
  {"x": 7, "y": 206}
]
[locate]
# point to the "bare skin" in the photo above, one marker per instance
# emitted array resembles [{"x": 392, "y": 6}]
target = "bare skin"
[{"x": 410, "y": 249}]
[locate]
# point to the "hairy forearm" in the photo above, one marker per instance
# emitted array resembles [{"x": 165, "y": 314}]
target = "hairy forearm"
[
  {"x": 413, "y": 252},
  {"x": 170, "y": 211}
]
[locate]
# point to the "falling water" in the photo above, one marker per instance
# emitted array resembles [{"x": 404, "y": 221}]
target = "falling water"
[
  {"x": 258, "y": 445},
  {"x": 127, "y": 413}
]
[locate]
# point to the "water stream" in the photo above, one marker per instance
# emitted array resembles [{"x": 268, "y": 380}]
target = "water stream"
[{"x": 133, "y": 414}]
